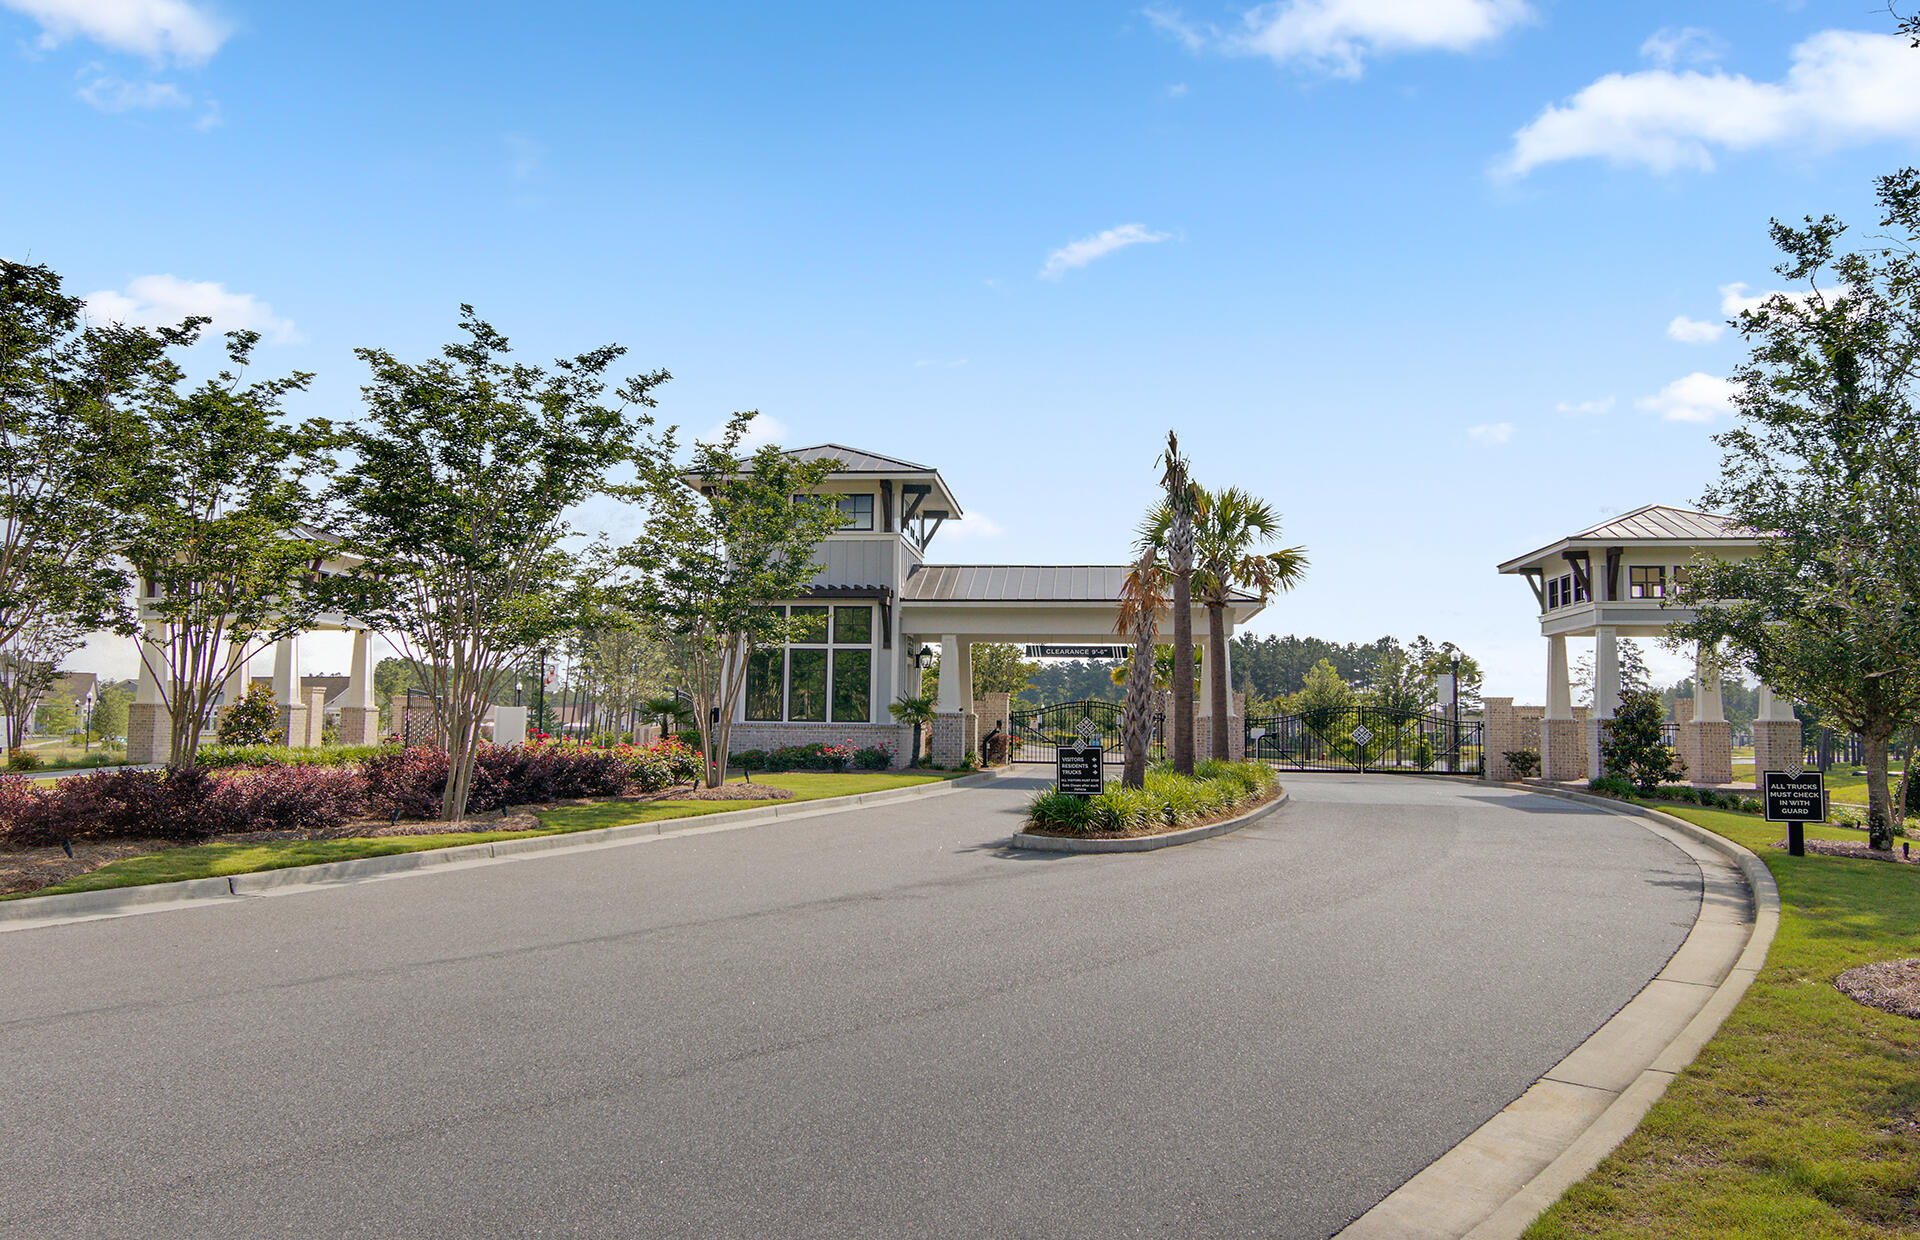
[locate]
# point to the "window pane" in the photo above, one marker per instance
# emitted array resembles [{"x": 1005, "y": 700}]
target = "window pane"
[
  {"x": 811, "y": 625},
  {"x": 852, "y": 626},
  {"x": 763, "y": 684},
  {"x": 858, "y": 510},
  {"x": 807, "y": 685},
  {"x": 851, "y": 672}
]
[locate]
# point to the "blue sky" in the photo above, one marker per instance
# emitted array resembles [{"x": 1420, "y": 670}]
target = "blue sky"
[{"x": 1411, "y": 269}]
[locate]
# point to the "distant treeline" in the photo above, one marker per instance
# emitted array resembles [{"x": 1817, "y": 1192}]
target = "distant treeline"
[{"x": 1265, "y": 667}]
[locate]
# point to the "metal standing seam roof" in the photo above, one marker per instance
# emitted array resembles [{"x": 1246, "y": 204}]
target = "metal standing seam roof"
[
  {"x": 855, "y": 461},
  {"x": 1650, "y": 523},
  {"x": 1661, "y": 521},
  {"x": 1019, "y": 583}
]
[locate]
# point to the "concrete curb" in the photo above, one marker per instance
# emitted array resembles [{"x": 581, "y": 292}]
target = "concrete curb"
[
  {"x": 1498, "y": 1180},
  {"x": 33, "y": 912},
  {"x": 1147, "y": 843}
]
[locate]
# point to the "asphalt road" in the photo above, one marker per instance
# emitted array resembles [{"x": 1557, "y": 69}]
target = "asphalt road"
[{"x": 877, "y": 1023}]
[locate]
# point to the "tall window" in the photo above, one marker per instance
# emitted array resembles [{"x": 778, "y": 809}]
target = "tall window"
[
  {"x": 824, "y": 675},
  {"x": 1647, "y": 581},
  {"x": 858, "y": 510},
  {"x": 1553, "y": 593}
]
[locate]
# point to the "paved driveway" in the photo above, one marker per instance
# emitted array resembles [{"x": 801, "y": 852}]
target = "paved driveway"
[{"x": 876, "y": 1023}]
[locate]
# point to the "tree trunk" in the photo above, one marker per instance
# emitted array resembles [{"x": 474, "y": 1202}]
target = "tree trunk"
[
  {"x": 1220, "y": 694},
  {"x": 1183, "y": 673},
  {"x": 1903, "y": 791},
  {"x": 1136, "y": 712},
  {"x": 1879, "y": 801}
]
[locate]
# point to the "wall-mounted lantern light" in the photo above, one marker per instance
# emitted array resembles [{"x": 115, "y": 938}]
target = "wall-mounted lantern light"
[{"x": 925, "y": 658}]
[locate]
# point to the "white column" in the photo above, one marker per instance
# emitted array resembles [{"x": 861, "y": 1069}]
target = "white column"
[
  {"x": 949, "y": 703},
  {"x": 1707, "y": 706},
  {"x": 964, "y": 669},
  {"x": 360, "y": 672},
  {"x": 1559, "y": 685},
  {"x": 1606, "y": 673},
  {"x": 148, "y": 690},
  {"x": 286, "y": 671},
  {"x": 1773, "y": 707},
  {"x": 235, "y": 686}
]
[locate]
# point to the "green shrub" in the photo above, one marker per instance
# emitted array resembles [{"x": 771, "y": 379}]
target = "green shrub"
[
  {"x": 1749, "y": 805},
  {"x": 252, "y": 720},
  {"x": 873, "y": 758},
  {"x": 1612, "y": 786},
  {"x": 23, "y": 760},
  {"x": 751, "y": 760},
  {"x": 1525, "y": 763},
  {"x": 1632, "y": 745},
  {"x": 219, "y": 757},
  {"x": 1168, "y": 800},
  {"x": 1058, "y": 811}
]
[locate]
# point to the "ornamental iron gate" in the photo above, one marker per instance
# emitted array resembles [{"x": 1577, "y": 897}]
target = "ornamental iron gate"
[
  {"x": 1366, "y": 738},
  {"x": 1039, "y": 731}
]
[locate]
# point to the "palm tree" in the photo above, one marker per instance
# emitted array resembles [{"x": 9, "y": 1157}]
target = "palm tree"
[
  {"x": 917, "y": 711},
  {"x": 1178, "y": 509},
  {"x": 1228, "y": 527},
  {"x": 1141, "y": 598}
]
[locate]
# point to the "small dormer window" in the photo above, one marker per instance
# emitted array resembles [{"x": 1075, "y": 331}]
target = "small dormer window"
[{"x": 858, "y": 510}]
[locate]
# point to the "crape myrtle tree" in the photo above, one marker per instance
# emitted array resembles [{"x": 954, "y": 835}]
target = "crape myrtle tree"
[
  {"x": 220, "y": 533},
  {"x": 32, "y": 660},
  {"x": 725, "y": 537},
  {"x": 71, "y": 402},
  {"x": 455, "y": 492},
  {"x": 1826, "y": 459}
]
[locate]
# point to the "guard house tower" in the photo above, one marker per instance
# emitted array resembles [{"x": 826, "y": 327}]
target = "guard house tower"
[
  {"x": 876, "y": 605},
  {"x": 1613, "y": 580}
]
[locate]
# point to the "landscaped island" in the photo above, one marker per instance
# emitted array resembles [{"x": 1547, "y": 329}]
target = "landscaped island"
[{"x": 1169, "y": 802}]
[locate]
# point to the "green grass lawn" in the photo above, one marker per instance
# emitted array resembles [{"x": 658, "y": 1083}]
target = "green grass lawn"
[
  {"x": 1800, "y": 1120},
  {"x": 1842, "y": 784},
  {"x": 174, "y": 865}
]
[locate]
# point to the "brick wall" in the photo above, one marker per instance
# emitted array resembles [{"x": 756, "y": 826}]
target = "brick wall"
[
  {"x": 1776, "y": 745},
  {"x": 148, "y": 738},
  {"x": 954, "y": 735},
  {"x": 863, "y": 735}
]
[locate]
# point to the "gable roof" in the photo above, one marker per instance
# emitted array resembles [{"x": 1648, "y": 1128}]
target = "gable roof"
[{"x": 855, "y": 461}]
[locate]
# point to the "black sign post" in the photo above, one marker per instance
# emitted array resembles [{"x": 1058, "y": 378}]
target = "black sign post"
[
  {"x": 1795, "y": 797},
  {"x": 1080, "y": 769}
]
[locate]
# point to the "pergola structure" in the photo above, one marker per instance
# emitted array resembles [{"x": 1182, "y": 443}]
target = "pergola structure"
[
  {"x": 302, "y": 711},
  {"x": 1615, "y": 580}
]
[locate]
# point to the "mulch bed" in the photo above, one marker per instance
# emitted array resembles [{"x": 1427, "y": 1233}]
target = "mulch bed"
[
  {"x": 29, "y": 869},
  {"x": 1848, "y": 848},
  {"x": 1890, "y": 985}
]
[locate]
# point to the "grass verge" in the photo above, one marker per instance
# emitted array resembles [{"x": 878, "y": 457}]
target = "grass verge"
[
  {"x": 1801, "y": 1118},
  {"x": 217, "y": 860}
]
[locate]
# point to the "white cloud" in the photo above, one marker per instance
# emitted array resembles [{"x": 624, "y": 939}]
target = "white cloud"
[
  {"x": 1687, "y": 45},
  {"x": 1492, "y": 432},
  {"x": 1694, "y": 331},
  {"x": 160, "y": 30},
  {"x": 154, "y": 300},
  {"x": 107, "y": 93},
  {"x": 1844, "y": 87},
  {"x": 972, "y": 526},
  {"x": 763, "y": 430},
  {"x": 1177, "y": 91},
  {"x": 1080, "y": 253},
  {"x": 1337, "y": 36},
  {"x": 1582, "y": 408},
  {"x": 1697, "y": 397}
]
